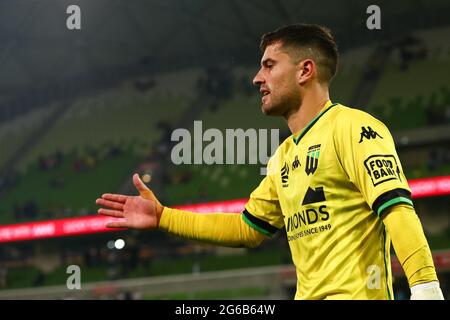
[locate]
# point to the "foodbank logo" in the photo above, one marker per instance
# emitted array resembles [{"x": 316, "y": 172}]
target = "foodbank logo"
[{"x": 382, "y": 168}]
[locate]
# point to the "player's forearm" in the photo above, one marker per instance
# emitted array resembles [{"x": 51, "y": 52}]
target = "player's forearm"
[
  {"x": 226, "y": 229},
  {"x": 410, "y": 244}
]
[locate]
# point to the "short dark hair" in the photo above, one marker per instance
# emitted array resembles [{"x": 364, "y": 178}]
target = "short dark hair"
[{"x": 323, "y": 48}]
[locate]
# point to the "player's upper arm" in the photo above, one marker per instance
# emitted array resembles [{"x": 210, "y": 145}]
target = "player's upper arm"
[
  {"x": 367, "y": 153},
  {"x": 262, "y": 212}
]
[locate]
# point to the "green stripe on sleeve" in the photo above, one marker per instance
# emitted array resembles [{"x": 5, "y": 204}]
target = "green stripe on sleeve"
[
  {"x": 257, "y": 228},
  {"x": 392, "y": 202}
]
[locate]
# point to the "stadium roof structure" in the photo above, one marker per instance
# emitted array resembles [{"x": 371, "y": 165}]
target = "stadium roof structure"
[{"x": 121, "y": 39}]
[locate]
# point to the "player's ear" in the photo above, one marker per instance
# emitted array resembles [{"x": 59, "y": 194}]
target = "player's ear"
[{"x": 306, "y": 70}]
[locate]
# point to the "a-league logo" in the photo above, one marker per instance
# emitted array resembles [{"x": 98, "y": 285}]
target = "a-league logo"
[
  {"x": 312, "y": 159},
  {"x": 285, "y": 175}
]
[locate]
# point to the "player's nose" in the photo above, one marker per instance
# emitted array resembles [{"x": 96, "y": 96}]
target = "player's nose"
[{"x": 258, "y": 79}]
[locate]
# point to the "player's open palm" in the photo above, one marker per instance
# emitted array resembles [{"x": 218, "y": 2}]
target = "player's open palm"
[{"x": 136, "y": 212}]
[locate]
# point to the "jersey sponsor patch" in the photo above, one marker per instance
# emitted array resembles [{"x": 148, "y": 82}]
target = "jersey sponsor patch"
[
  {"x": 382, "y": 168},
  {"x": 314, "y": 196}
]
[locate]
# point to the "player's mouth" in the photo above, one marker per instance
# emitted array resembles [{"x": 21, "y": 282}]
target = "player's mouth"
[{"x": 265, "y": 94}]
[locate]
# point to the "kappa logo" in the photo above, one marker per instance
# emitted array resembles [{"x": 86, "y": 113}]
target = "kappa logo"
[
  {"x": 312, "y": 159},
  {"x": 382, "y": 168},
  {"x": 285, "y": 175},
  {"x": 368, "y": 133},
  {"x": 295, "y": 163}
]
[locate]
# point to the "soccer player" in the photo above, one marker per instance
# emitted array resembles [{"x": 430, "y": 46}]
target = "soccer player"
[{"x": 336, "y": 185}]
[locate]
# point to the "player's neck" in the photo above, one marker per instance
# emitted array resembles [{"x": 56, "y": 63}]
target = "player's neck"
[{"x": 312, "y": 103}]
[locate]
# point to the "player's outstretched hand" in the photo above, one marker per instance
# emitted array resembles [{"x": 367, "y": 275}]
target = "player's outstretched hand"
[{"x": 136, "y": 212}]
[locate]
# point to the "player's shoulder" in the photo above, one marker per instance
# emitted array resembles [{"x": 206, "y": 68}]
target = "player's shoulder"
[
  {"x": 347, "y": 116},
  {"x": 285, "y": 146},
  {"x": 280, "y": 153}
]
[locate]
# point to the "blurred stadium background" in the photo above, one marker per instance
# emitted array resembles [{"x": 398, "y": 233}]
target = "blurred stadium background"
[{"x": 80, "y": 111}]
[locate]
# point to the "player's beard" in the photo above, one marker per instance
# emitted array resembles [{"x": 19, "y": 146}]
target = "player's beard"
[{"x": 281, "y": 104}]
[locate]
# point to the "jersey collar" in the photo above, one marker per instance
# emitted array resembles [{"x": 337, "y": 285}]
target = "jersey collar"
[{"x": 328, "y": 106}]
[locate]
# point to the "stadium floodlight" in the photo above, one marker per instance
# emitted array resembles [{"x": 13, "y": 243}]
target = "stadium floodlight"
[
  {"x": 119, "y": 244},
  {"x": 111, "y": 244}
]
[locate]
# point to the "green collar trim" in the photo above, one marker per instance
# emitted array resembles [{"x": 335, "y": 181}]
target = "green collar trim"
[{"x": 310, "y": 124}]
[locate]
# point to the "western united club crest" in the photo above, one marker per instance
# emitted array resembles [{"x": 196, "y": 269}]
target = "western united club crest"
[{"x": 312, "y": 159}]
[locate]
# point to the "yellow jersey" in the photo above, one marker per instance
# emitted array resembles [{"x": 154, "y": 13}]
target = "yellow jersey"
[{"x": 329, "y": 186}]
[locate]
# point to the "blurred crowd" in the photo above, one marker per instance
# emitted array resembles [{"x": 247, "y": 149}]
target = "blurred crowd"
[
  {"x": 59, "y": 166},
  {"x": 438, "y": 156}
]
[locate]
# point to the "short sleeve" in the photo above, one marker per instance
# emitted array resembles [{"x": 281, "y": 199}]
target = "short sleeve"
[
  {"x": 367, "y": 153},
  {"x": 262, "y": 212}
]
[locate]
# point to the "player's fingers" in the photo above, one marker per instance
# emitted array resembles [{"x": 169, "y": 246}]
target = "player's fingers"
[
  {"x": 115, "y": 197},
  {"x": 110, "y": 213},
  {"x": 109, "y": 204},
  {"x": 139, "y": 184},
  {"x": 117, "y": 224},
  {"x": 144, "y": 191}
]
